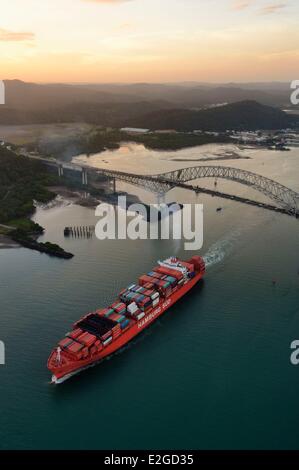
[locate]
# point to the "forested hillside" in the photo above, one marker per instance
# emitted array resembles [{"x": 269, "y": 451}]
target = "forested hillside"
[{"x": 21, "y": 182}]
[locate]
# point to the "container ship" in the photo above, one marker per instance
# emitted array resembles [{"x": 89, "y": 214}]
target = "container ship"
[{"x": 101, "y": 333}]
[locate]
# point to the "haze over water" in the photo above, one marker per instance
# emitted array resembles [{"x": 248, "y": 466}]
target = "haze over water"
[{"x": 214, "y": 372}]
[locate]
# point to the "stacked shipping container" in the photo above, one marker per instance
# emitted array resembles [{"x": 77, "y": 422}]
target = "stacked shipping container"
[{"x": 97, "y": 330}]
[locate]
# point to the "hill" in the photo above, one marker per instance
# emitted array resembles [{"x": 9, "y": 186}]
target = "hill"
[
  {"x": 117, "y": 104},
  {"x": 21, "y": 182},
  {"x": 198, "y": 95},
  {"x": 244, "y": 115}
]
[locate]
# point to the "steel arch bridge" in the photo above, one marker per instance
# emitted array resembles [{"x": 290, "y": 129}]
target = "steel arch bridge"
[{"x": 284, "y": 197}]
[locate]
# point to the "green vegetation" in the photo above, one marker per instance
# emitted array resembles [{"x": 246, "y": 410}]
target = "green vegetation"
[
  {"x": 27, "y": 225},
  {"x": 100, "y": 139},
  {"x": 176, "y": 141},
  {"x": 21, "y": 182},
  {"x": 244, "y": 115},
  {"x": 4, "y": 230},
  {"x": 23, "y": 238}
]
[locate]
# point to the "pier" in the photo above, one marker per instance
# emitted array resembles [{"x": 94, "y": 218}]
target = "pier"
[{"x": 80, "y": 231}]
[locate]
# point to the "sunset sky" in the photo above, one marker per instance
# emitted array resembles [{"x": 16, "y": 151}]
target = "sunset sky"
[{"x": 149, "y": 40}]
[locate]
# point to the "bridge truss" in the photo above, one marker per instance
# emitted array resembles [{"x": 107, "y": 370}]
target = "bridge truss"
[{"x": 161, "y": 183}]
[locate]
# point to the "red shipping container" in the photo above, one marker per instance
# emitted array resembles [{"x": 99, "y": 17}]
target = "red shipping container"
[
  {"x": 102, "y": 312},
  {"x": 75, "y": 347},
  {"x": 135, "y": 314},
  {"x": 115, "y": 305},
  {"x": 148, "y": 309},
  {"x": 75, "y": 333},
  {"x": 121, "y": 306},
  {"x": 170, "y": 272},
  {"x": 157, "y": 275},
  {"x": 149, "y": 285},
  {"x": 189, "y": 266},
  {"x": 98, "y": 345},
  {"x": 82, "y": 335},
  {"x": 145, "y": 279},
  {"x": 93, "y": 350},
  {"x": 106, "y": 335},
  {"x": 149, "y": 292},
  {"x": 85, "y": 352},
  {"x": 65, "y": 342},
  {"x": 121, "y": 311},
  {"x": 87, "y": 339},
  {"x": 145, "y": 301},
  {"x": 114, "y": 316}
]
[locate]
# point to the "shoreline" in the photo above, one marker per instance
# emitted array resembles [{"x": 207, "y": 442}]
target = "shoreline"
[
  {"x": 233, "y": 156},
  {"x": 6, "y": 243},
  {"x": 77, "y": 196},
  {"x": 65, "y": 195}
]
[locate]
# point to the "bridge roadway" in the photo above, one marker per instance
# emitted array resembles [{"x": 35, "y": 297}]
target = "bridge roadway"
[{"x": 287, "y": 200}]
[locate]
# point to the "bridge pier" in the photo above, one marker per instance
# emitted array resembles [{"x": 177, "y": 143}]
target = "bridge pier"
[
  {"x": 60, "y": 171},
  {"x": 160, "y": 198},
  {"x": 296, "y": 208},
  {"x": 84, "y": 177},
  {"x": 114, "y": 185}
]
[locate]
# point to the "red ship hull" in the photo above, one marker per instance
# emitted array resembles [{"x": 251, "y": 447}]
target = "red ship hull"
[{"x": 70, "y": 366}]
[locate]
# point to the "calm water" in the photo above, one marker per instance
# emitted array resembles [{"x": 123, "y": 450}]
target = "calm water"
[{"x": 214, "y": 372}]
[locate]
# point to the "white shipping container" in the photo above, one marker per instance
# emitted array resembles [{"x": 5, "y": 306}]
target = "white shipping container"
[
  {"x": 155, "y": 302},
  {"x": 140, "y": 316},
  {"x": 132, "y": 307},
  {"x": 155, "y": 295},
  {"x": 131, "y": 286},
  {"x": 107, "y": 341}
]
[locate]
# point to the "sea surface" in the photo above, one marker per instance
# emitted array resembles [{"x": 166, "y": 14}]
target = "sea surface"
[{"x": 212, "y": 373}]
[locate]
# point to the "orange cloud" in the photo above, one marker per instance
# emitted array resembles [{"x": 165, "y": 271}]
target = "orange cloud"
[
  {"x": 6, "y": 35},
  {"x": 269, "y": 9},
  {"x": 266, "y": 10},
  {"x": 241, "y": 4}
]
